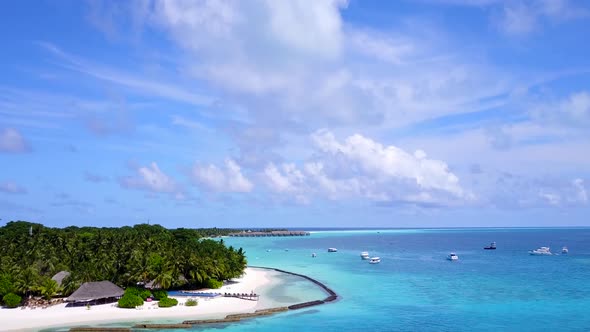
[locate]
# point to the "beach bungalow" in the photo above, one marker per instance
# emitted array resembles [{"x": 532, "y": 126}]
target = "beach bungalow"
[
  {"x": 60, "y": 276},
  {"x": 96, "y": 292}
]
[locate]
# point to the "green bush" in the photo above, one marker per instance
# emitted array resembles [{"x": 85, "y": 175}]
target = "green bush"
[
  {"x": 212, "y": 283},
  {"x": 130, "y": 301},
  {"x": 6, "y": 285},
  {"x": 191, "y": 303},
  {"x": 141, "y": 292},
  {"x": 160, "y": 294},
  {"x": 11, "y": 300},
  {"x": 167, "y": 302}
]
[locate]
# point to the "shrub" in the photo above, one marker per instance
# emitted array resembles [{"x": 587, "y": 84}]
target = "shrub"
[
  {"x": 191, "y": 303},
  {"x": 11, "y": 300},
  {"x": 160, "y": 294},
  {"x": 6, "y": 285},
  {"x": 167, "y": 302},
  {"x": 130, "y": 301},
  {"x": 141, "y": 292},
  {"x": 212, "y": 283}
]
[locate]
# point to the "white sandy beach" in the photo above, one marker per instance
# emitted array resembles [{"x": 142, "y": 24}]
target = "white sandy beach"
[{"x": 57, "y": 316}]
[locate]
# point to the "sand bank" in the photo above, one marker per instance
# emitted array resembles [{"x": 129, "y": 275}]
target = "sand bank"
[{"x": 59, "y": 316}]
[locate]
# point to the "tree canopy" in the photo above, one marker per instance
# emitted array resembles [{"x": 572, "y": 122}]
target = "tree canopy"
[{"x": 126, "y": 256}]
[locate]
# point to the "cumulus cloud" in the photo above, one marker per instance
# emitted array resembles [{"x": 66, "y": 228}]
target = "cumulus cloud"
[
  {"x": 218, "y": 179},
  {"x": 150, "y": 178},
  {"x": 10, "y": 187},
  {"x": 373, "y": 158},
  {"x": 11, "y": 141},
  {"x": 362, "y": 168}
]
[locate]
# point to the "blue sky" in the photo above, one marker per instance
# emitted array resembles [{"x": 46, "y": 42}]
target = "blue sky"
[{"x": 295, "y": 113}]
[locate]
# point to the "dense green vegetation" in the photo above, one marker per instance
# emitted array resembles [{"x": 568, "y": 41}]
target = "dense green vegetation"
[
  {"x": 127, "y": 256},
  {"x": 212, "y": 283},
  {"x": 141, "y": 292},
  {"x": 130, "y": 301},
  {"x": 11, "y": 300},
  {"x": 159, "y": 294},
  {"x": 167, "y": 302},
  {"x": 191, "y": 303}
]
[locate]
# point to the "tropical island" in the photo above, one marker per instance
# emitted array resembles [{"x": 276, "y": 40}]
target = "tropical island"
[
  {"x": 82, "y": 275},
  {"x": 126, "y": 256}
]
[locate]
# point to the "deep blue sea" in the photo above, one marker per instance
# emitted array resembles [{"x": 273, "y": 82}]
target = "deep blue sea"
[{"x": 415, "y": 288}]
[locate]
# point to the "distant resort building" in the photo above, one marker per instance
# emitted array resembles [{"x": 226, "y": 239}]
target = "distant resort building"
[
  {"x": 96, "y": 292},
  {"x": 60, "y": 276},
  {"x": 272, "y": 233}
]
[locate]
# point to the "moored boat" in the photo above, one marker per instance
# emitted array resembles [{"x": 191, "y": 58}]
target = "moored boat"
[
  {"x": 375, "y": 260},
  {"x": 453, "y": 257},
  {"x": 564, "y": 251},
  {"x": 365, "y": 255},
  {"x": 332, "y": 250},
  {"x": 542, "y": 251},
  {"x": 492, "y": 246}
]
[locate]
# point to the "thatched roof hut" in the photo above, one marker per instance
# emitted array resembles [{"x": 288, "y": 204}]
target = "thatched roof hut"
[
  {"x": 97, "y": 290},
  {"x": 60, "y": 276}
]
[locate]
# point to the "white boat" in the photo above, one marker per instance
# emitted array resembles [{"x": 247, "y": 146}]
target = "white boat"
[
  {"x": 492, "y": 246},
  {"x": 564, "y": 250},
  {"x": 375, "y": 260},
  {"x": 364, "y": 255},
  {"x": 332, "y": 250},
  {"x": 313, "y": 254},
  {"x": 453, "y": 257},
  {"x": 542, "y": 251}
]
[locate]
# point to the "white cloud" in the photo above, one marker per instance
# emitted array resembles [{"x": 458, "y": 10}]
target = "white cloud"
[
  {"x": 517, "y": 19},
  {"x": 371, "y": 157},
  {"x": 10, "y": 187},
  {"x": 11, "y": 141},
  {"x": 381, "y": 47},
  {"x": 309, "y": 26},
  {"x": 580, "y": 191},
  {"x": 213, "y": 178},
  {"x": 520, "y": 18},
  {"x": 573, "y": 111},
  {"x": 150, "y": 178},
  {"x": 362, "y": 168}
]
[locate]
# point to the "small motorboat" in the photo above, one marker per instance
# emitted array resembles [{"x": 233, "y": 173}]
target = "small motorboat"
[
  {"x": 542, "y": 251},
  {"x": 564, "y": 251},
  {"x": 492, "y": 246},
  {"x": 453, "y": 257},
  {"x": 375, "y": 260},
  {"x": 332, "y": 250},
  {"x": 268, "y": 250},
  {"x": 365, "y": 255},
  {"x": 313, "y": 255}
]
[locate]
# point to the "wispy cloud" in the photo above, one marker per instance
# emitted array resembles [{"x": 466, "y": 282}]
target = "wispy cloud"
[
  {"x": 145, "y": 85},
  {"x": 10, "y": 187},
  {"x": 11, "y": 141}
]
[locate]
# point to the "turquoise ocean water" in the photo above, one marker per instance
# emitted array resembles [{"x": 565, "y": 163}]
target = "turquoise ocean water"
[{"x": 416, "y": 289}]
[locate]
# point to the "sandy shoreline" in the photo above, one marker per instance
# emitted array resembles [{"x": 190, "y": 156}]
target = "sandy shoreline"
[{"x": 59, "y": 316}]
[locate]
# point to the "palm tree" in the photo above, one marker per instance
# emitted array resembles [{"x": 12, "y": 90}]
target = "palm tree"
[
  {"x": 48, "y": 288},
  {"x": 27, "y": 281}
]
